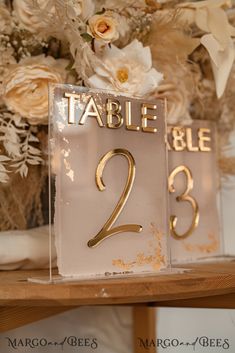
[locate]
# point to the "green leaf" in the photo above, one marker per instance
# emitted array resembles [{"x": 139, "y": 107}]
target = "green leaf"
[{"x": 87, "y": 37}]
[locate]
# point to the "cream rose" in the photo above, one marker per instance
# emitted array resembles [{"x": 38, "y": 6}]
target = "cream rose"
[
  {"x": 25, "y": 86},
  {"x": 103, "y": 27}
]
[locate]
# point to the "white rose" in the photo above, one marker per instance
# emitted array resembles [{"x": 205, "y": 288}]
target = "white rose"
[
  {"x": 103, "y": 27},
  {"x": 128, "y": 70},
  {"x": 25, "y": 86}
]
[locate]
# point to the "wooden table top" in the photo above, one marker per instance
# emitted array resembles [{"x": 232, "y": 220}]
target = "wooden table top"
[
  {"x": 202, "y": 281},
  {"x": 205, "y": 285}
]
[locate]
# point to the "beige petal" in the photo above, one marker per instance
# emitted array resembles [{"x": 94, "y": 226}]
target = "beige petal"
[
  {"x": 222, "y": 73},
  {"x": 201, "y": 19},
  {"x": 207, "y": 3},
  {"x": 213, "y": 47},
  {"x": 221, "y": 61},
  {"x": 186, "y": 15},
  {"x": 219, "y": 26}
]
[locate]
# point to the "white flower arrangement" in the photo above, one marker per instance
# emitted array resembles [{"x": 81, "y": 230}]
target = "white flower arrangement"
[
  {"x": 127, "y": 70},
  {"x": 151, "y": 48}
]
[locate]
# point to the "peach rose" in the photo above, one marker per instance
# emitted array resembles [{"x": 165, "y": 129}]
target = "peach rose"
[{"x": 103, "y": 27}]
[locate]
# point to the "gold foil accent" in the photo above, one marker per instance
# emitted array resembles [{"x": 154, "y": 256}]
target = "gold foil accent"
[
  {"x": 145, "y": 117},
  {"x": 113, "y": 108},
  {"x": 203, "y": 139},
  {"x": 107, "y": 231},
  {"x": 69, "y": 170},
  {"x": 207, "y": 248},
  {"x": 91, "y": 110},
  {"x": 184, "y": 197},
  {"x": 157, "y": 260}
]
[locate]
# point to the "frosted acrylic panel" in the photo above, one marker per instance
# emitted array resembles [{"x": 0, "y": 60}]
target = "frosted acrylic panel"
[
  {"x": 196, "y": 146},
  {"x": 81, "y": 209}
]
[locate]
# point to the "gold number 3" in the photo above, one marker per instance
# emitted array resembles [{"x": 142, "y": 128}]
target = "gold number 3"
[
  {"x": 184, "y": 197},
  {"x": 107, "y": 231}
]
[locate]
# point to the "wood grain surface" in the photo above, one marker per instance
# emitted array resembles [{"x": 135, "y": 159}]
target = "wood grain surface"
[
  {"x": 200, "y": 281},
  {"x": 205, "y": 285},
  {"x": 144, "y": 329},
  {"x": 17, "y": 316}
]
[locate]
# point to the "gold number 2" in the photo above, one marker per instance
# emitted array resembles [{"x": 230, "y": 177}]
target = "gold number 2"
[
  {"x": 184, "y": 197},
  {"x": 107, "y": 231}
]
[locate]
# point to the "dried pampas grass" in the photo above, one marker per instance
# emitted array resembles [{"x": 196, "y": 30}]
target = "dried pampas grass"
[
  {"x": 21, "y": 202},
  {"x": 227, "y": 165},
  {"x": 171, "y": 46}
]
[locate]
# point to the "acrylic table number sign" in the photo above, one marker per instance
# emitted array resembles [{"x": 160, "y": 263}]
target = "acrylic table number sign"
[
  {"x": 194, "y": 192},
  {"x": 109, "y": 161}
]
